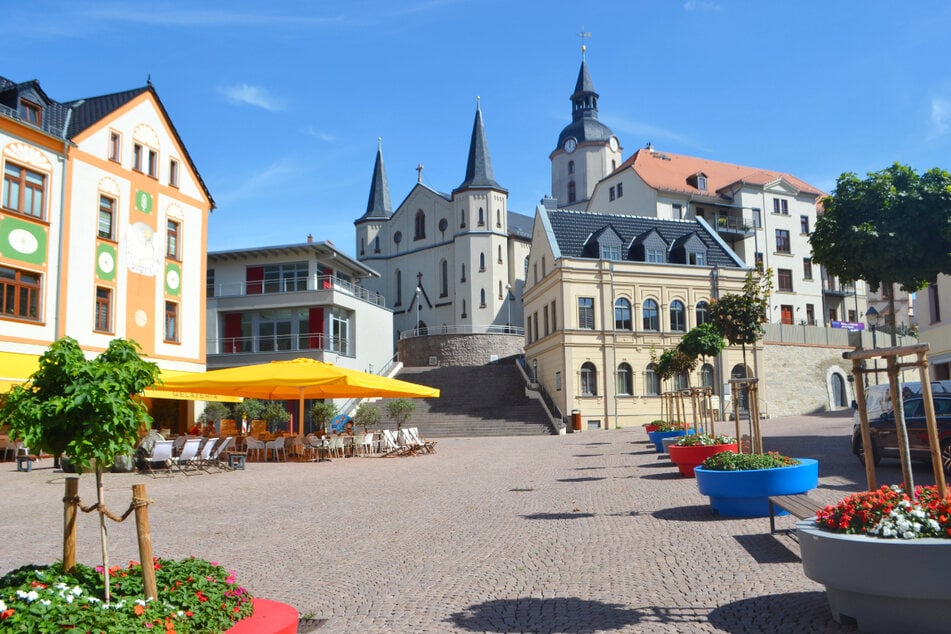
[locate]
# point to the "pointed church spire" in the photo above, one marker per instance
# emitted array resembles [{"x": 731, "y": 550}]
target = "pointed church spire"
[
  {"x": 479, "y": 167},
  {"x": 585, "y": 99},
  {"x": 378, "y": 205}
]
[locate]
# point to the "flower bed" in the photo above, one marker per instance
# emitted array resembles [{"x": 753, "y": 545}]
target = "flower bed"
[
  {"x": 693, "y": 449},
  {"x": 739, "y": 485},
  {"x": 193, "y": 596}
]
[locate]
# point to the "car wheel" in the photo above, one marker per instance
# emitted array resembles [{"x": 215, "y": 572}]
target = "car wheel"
[
  {"x": 946, "y": 456},
  {"x": 876, "y": 457}
]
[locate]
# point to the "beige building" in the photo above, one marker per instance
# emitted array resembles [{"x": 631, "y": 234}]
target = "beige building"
[
  {"x": 606, "y": 294},
  {"x": 934, "y": 327}
]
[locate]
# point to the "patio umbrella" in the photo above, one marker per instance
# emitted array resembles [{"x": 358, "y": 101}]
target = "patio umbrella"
[{"x": 296, "y": 379}]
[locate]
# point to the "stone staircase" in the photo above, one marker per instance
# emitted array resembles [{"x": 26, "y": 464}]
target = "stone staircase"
[{"x": 484, "y": 400}]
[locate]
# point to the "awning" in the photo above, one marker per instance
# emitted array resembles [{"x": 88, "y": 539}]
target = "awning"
[{"x": 16, "y": 368}]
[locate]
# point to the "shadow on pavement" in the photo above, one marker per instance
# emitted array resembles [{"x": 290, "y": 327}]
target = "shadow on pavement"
[
  {"x": 558, "y": 516},
  {"x": 663, "y": 476},
  {"x": 579, "y": 479},
  {"x": 767, "y": 549},
  {"x": 696, "y": 513},
  {"x": 762, "y": 614}
]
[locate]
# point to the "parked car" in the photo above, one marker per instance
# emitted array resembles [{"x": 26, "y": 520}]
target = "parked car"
[
  {"x": 878, "y": 398},
  {"x": 885, "y": 436}
]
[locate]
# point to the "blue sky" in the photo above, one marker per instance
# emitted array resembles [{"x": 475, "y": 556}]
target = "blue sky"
[{"x": 281, "y": 103}]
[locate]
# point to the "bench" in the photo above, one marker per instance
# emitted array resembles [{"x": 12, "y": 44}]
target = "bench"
[{"x": 800, "y": 505}]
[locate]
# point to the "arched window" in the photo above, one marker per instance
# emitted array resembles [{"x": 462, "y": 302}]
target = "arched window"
[
  {"x": 651, "y": 381},
  {"x": 571, "y": 192},
  {"x": 482, "y": 261},
  {"x": 500, "y": 254},
  {"x": 376, "y": 244},
  {"x": 463, "y": 309},
  {"x": 463, "y": 272},
  {"x": 399, "y": 288},
  {"x": 498, "y": 218},
  {"x": 500, "y": 289},
  {"x": 651, "y": 316},
  {"x": 622, "y": 315},
  {"x": 481, "y": 298},
  {"x": 462, "y": 218},
  {"x": 706, "y": 376},
  {"x": 362, "y": 245},
  {"x": 481, "y": 217},
  {"x": 625, "y": 379},
  {"x": 420, "y": 225},
  {"x": 702, "y": 308},
  {"x": 444, "y": 279},
  {"x": 681, "y": 381},
  {"x": 571, "y": 167},
  {"x": 740, "y": 393},
  {"x": 589, "y": 379},
  {"x": 678, "y": 316}
]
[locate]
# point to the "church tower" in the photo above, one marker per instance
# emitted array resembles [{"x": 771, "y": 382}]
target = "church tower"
[
  {"x": 587, "y": 150},
  {"x": 378, "y": 210}
]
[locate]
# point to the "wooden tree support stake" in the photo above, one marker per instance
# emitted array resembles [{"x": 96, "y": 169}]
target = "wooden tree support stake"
[
  {"x": 144, "y": 533},
  {"x": 70, "y": 502}
]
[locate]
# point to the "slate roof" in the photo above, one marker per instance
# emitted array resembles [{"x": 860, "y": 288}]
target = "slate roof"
[
  {"x": 86, "y": 112},
  {"x": 479, "y": 173},
  {"x": 54, "y": 113},
  {"x": 520, "y": 225},
  {"x": 572, "y": 228},
  {"x": 584, "y": 124},
  {"x": 378, "y": 203}
]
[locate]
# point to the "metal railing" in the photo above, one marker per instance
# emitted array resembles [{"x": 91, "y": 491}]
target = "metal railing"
[
  {"x": 311, "y": 341},
  {"x": 46, "y": 126},
  {"x": 491, "y": 329},
  {"x": 313, "y": 283},
  {"x": 731, "y": 223}
]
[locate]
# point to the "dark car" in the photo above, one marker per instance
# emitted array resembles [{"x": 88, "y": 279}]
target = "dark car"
[{"x": 885, "y": 436}]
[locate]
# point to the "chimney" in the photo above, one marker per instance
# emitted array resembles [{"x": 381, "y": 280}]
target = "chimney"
[{"x": 310, "y": 238}]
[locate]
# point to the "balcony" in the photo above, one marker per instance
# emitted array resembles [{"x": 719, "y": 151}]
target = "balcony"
[
  {"x": 265, "y": 292},
  {"x": 732, "y": 228},
  {"x": 307, "y": 342},
  {"x": 838, "y": 290}
]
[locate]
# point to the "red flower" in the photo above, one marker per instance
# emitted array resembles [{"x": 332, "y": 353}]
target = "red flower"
[
  {"x": 6, "y": 614},
  {"x": 139, "y": 610}
]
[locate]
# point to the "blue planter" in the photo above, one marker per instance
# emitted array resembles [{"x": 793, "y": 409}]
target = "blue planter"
[
  {"x": 745, "y": 493},
  {"x": 657, "y": 437}
]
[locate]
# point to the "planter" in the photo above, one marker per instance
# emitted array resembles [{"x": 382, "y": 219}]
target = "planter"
[
  {"x": 650, "y": 428},
  {"x": 745, "y": 493},
  {"x": 687, "y": 458},
  {"x": 270, "y": 617},
  {"x": 657, "y": 437},
  {"x": 667, "y": 443},
  {"x": 884, "y": 585}
]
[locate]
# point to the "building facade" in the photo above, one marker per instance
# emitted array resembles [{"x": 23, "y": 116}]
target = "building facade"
[
  {"x": 452, "y": 263},
  {"x": 934, "y": 325}
]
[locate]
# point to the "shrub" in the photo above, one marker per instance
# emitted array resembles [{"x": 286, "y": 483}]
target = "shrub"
[
  {"x": 729, "y": 461},
  {"x": 705, "y": 440}
]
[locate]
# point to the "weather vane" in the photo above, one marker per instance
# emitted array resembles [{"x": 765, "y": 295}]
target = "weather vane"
[{"x": 583, "y": 35}]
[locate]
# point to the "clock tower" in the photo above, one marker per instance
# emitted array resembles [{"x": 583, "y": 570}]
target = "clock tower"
[{"x": 587, "y": 150}]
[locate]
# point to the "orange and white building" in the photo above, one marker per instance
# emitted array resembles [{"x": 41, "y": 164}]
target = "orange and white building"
[{"x": 103, "y": 228}]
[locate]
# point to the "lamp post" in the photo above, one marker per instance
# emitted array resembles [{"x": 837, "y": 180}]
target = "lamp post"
[
  {"x": 534, "y": 370},
  {"x": 872, "y": 317},
  {"x": 418, "y": 291},
  {"x": 508, "y": 303}
]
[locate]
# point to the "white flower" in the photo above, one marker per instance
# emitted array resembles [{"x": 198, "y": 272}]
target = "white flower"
[
  {"x": 45, "y": 601},
  {"x": 30, "y": 596},
  {"x": 3, "y": 606},
  {"x": 77, "y": 591}
]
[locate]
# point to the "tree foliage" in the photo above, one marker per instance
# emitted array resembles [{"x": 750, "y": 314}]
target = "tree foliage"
[
  {"x": 250, "y": 407},
  {"x": 673, "y": 361},
  {"x": 400, "y": 409},
  {"x": 892, "y": 227},
  {"x": 366, "y": 416},
  {"x": 702, "y": 341},
  {"x": 740, "y": 318},
  {"x": 321, "y": 412},
  {"x": 83, "y": 408}
]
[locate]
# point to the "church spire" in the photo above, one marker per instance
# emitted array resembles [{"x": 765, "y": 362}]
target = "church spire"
[
  {"x": 378, "y": 205},
  {"x": 584, "y": 100},
  {"x": 479, "y": 167}
]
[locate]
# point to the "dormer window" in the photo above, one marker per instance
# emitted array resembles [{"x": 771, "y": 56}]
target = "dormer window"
[
  {"x": 702, "y": 182},
  {"x": 610, "y": 252},
  {"x": 31, "y": 112}
]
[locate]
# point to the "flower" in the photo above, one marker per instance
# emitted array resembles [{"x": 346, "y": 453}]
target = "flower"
[
  {"x": 890, "y": 513},
  {"x": 729, "y": 461},
  {"x": 705, "y": 440}
]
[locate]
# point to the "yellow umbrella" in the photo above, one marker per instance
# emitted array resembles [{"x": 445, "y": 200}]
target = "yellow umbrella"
[{"x": 287, "y": 380}]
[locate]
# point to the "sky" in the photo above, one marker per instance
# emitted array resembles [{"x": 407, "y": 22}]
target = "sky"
[{"x": 281, "y": 103}]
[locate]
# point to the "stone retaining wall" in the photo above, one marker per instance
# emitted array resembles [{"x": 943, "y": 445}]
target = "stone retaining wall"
[
  {"x": 798, "y": 378},
  {"x": 459, "y": 349}
]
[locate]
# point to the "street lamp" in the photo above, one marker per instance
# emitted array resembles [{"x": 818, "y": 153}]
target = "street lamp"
[
  {"x": 418, "y": 291},
  {"x": 872, "y": 317},
  {"x": 508, "y": 303},
  {"x": 534, "y": 370}
]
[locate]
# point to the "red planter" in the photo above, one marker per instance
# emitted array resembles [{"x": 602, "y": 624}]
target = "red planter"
[
  {"x": 687, "y": 458},
  {"x": 650, "y": 428},
  {"x": 270, "y": 617}
]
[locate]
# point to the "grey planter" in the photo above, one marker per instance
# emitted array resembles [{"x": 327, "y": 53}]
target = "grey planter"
[{"x": 884, "y": 585}]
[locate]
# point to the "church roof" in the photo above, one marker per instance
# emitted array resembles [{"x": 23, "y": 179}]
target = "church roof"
[
  {"x": 584, "y": 124},
  {"x": 520, "y": 225},
  {"x": 378, "y": 204},
  {"x": 479, "y": 172}
]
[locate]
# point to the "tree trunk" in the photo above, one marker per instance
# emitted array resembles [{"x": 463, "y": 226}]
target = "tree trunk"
[
  {"x": 103, "y": 533},
  {"x": 891, "y": 315}
]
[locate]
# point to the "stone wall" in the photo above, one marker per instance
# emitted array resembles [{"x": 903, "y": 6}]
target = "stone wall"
[
  {"x": 459, "y": 349},
  {"x": 797, "y": 379}
]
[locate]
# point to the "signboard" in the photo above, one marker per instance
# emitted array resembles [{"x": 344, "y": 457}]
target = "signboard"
[{"x": 851, "y": 326}]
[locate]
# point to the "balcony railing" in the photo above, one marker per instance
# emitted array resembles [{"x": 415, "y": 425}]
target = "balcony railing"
[
  {"x": 494, "y": 329},
  {"x": 309, "y": 341},
  {"x": 733, "y": 224},
  {"x": 312, "y": 283}
]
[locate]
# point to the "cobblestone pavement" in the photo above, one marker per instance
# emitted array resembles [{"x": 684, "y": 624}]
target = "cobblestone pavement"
[{"x": 589, "y": 532}]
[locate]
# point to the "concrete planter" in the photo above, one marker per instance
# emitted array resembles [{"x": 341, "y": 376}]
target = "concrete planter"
[
  {"x": 688, "y": 458},
  {"x": 745, "y": 493},
  {"x": 884, "y": 585},
  {"x": 657, "y": 437}
]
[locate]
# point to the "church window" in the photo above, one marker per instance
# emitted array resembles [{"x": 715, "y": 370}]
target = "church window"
[
  {"x": 481, "y": 217},
  {"x": 500, "y": 254},
  {"x": 571, "y": 167},
  {"x": 498, "y": 218},
  {"x": 500, "y": 289},
  {"x": 481, "y": 262},
  {"x": 463, "y": 272},
  {"x": 399, "y": 288},
  {"x": 481, "y": 298},
  {"x": 620, "y": 189},
  {"x": 571, "y": 192},
  {"x": 444, "y": 279},
  {"x": 462, "y": 218},
  {"x": 420, "y": 225},
  {"x": 376, "y": 244}
]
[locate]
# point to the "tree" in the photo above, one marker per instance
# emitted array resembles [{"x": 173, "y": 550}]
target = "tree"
[
  {"x": 252, "y": 408},
  {"x": 85, "y": 409},
  {"x": 893, "y": 227},
  {"x": 214, "y": 411},
  {"x": 275, "y": 415},
  {"x": 321, "y": 412},
  {"x": 400, "y": 409},
  {"x": 702, "y": 341},
  {"x": 740, "y": 318},
  {"x": 366, "y": 416}
]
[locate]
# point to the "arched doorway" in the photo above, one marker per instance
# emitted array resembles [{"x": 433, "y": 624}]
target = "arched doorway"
[
  {"x": 840, "y": 395},
  {"x": 739, "y": 372}
]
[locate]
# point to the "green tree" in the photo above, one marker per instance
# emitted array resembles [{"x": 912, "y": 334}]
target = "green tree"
[
  {"x": 893, "y": 227},
  {"x": 214, "y": 411},
  {"x": 275, "y": 415},
  {"x": 85, "y": 409},
  {"x": 740, "y": 317},
  {"x": 702, "y": 341},
  {"x": 252, "y": 408},
  {"x": 366, "y": 416},
  {"x": 321, "y": 412},
  {"x": 400, "y": 409}
]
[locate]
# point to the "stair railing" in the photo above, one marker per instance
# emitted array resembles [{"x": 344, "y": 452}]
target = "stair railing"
[{"x": 537, "y": 391}]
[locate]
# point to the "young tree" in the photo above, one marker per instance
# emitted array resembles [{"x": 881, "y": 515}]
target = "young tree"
[
  {"x": 893, "y": 227},
  {"x": 366, "y": 416},
  {"x": 400, "y": 409},
  {"x": 84, "y": 409},
  {"x": 321, "y": 412},
  {"x": 740, "y": 318},
  {"x": 702, "y": 341}
]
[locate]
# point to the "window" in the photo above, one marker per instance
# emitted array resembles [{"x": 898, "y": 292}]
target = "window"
[
  {"x": 535, "y": 326},
  {"x": 786, "y": 314},
  {"x": 706, "y": 375},
  {"x": 420, "y": 225},
  {"x": 681, "y": 381},
  {"x": 399, "y": 285},
  {"x": 622, "y": 314},
  {"x": 701, "y": 311},
  {"x": 31, "y": 112},
  {"x": 554, "y": 319},
  {"x": 758, "y": 257},
  {"x": 544, "y": 272},
  {"x": 811, "y": 314},
  {"x": 697, "y": 258},
  {"x": 210, "y": 283},
  {"x": 545, "y": 317},
  {"x": 500, "y": 254},
  {"x": 586, "y": 313},
  {"x": 153, "y": 163},
  {"x": 481, "y": 262},
  {"x": 611, "y": 252},
  {"x": 376, "y": 244},
  {"x": 137, "y": 157},
  {"x": 934, "y": 304},
  {"x": 340, "y": 330},
  {"x": 19, "y": 294},
  {"x": 286, "y": 277},
  {"x": 651, "y": 381},
  {"x": 558, "y": 381},
  {"x": 23, "y": 190},
  {"x": 782, "y": 241},
  {"x": 780, "y": 206},
  {"x": 481, "y": 217},
  {"x": 785, "y": 280},
  {"x": 702, "y": 182},
  {"x": 444, "y": 279},
  {"x": 107, "y": 213},
  {"x": 589, "y": 379},
  {"x": 677, "y": 212},
  {"x": 804, "y": 224},
  {"x": 571, "y": 192},
  {"x": 115, "y": 146},
  {"x": 625, "y": 379},
  {"x": 611, "y": 193},
  {"x": 678, "y": 316},
  {"x": 650, "y": 315},
  {"x": 103, "y": 317},
  {"x": 535, "y": 272},
  {"x": 571, "y": 167},
  {"x": 656, "y": 256},
  {"x": 171, "y": 322},
  {"x": 481, "y": 298},
  {"x": 172, "y": 240},
  {"x": 620, "y": 189},
  {"x": 807, "y": 268},
  {"x": 463, "y": 309},
  {"x": 463, "y": 272},
  {"x": 528, "y": 328},
  {"x": 757, "y": 218},
  {"x": 462, "y": 218},
  {"x": 498, "y": 220},
  {"x": 173, "y": 172},
  {"x": 500, "y": 289}
]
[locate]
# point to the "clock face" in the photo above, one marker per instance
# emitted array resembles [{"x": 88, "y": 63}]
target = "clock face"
[
  {"x": 106, "y": 262},
  {"x": 172, "y": 279},
  {"x": 570, "y": 144},
  {"x": 613, "y": 144}
]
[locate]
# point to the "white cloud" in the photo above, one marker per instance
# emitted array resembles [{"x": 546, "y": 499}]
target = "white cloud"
[
  {"x": 940, "y": 117},
  {"x": 326, "y": 137},
  {"x": 262, "y": 180},
  {"x": 647, "y": 132},
  {"x": 252, "y": 96},
  {"x": 694, "y": 5}
]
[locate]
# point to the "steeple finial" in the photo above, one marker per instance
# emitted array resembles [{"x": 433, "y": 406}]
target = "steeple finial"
[{"x": 583, "y": 35}]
